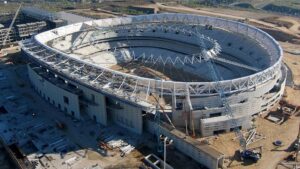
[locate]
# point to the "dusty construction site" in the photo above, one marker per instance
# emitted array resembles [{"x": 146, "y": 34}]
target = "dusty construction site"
[{"x": 122, "y": 49}]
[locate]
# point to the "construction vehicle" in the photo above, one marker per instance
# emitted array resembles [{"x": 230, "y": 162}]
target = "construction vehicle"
[
  {"x": 252, "y": 154},
  {"x": 244, "y": 152},
  {"x": 9, "y": 30}
]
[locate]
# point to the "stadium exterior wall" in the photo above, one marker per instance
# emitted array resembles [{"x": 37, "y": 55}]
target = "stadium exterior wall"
[
  {"x": 209, "y": 118},
  {"x": 81, "y": 101}
]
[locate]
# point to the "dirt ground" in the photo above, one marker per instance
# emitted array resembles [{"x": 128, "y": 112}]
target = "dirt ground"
[
  {"x": 228, "y": 145},
  {"x": 92, "y": 13},
  {"x": 278, "y": 21},
  {"x": 292, "y": 96},
  {"x": 287, "y": 133},
  {"x": 292, "y": 60},
  {"x": 253, "y": 17}
]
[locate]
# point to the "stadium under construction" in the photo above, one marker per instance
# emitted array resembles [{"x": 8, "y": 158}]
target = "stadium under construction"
[{"x": 129, "y": 71}]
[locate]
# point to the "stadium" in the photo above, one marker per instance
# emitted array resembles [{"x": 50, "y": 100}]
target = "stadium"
[{"x": 124, "y": 70}]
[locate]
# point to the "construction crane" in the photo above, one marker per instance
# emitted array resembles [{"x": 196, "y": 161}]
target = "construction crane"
[
  {"x": 158, "y": 122},
  {"x": 11, "y": 25},
  {"x": 245, "y": 153},
  {"x": 158, "y": 107}
]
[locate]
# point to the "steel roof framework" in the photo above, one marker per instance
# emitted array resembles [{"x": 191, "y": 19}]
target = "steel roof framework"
[{"x": 138, "y": 88}]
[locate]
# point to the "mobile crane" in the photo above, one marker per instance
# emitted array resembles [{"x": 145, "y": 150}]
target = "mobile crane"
[{"x": 245, "y": 153}]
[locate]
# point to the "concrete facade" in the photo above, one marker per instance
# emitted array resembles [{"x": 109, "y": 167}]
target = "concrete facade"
[
  {"x": 202, "y": 153},
  {"x": 208, "y": 114},
  {"x": 80, "y": 101}
]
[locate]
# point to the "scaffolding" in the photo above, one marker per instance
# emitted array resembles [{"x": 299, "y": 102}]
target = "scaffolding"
[
  {"x": 12, "y": 36},
  {"x": 29, "y": 29}
]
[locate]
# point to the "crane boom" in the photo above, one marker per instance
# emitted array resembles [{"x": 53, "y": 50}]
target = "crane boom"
[
  {"x": 219, "y": 89},
  {"x": 228, "y": 110},
  {"x": 11, "y": 25}
]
